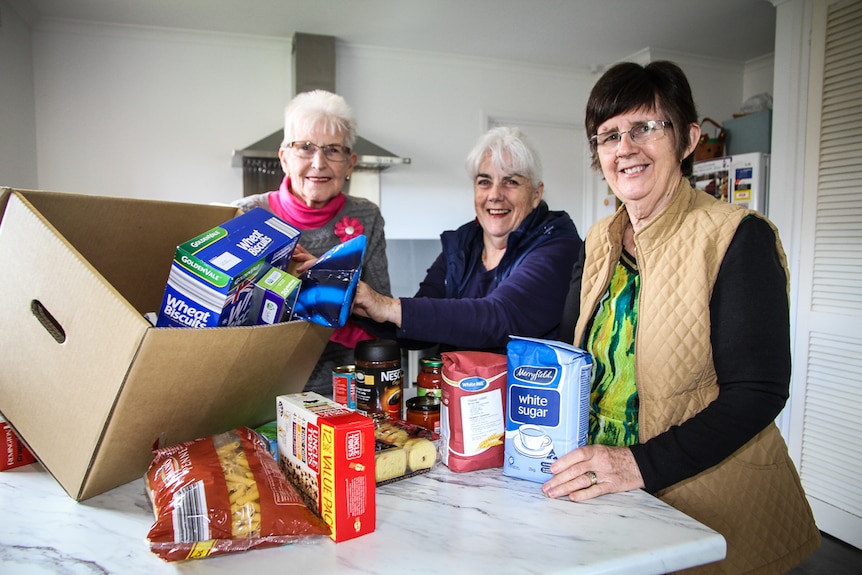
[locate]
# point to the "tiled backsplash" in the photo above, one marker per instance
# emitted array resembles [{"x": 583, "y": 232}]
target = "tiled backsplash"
[{"x": 409, "y": 260}]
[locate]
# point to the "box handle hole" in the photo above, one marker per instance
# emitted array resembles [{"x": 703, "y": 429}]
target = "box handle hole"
[{"x": 48, "y": 321}]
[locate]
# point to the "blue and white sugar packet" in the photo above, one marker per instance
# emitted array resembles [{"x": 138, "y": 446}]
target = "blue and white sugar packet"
[{"x": 547, "y": 405}]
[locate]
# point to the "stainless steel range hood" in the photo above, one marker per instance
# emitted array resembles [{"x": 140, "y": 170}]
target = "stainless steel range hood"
[
  {"x": 314, "y": 68},
  {"x": 371, "y": 156}
]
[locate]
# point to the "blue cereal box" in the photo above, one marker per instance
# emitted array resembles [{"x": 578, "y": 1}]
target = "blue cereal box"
[
  {"x": 547, "y": 405},
  {"x": 212, "y": 276}
]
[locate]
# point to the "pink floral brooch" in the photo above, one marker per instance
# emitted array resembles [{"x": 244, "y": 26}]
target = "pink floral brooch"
[{"x": 348, "y": 228}]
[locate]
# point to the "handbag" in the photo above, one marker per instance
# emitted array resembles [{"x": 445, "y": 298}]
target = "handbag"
[{"x": 710, "y": 147}]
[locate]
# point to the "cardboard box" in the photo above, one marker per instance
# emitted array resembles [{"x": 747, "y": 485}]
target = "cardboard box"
[
  {"x": 86, "y": 381},
  {"x": 327, "y": 451},
  {"x": 13, "y": 453},
  {"x": 213, "y": 274}
]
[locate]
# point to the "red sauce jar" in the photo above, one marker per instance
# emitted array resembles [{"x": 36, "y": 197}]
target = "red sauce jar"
[
  {"x": 430, "y": 378},
  {"x": 424, "y": 410}
]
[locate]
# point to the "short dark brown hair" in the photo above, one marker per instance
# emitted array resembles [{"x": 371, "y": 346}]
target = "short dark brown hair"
[{"x": 628, "y": 86}]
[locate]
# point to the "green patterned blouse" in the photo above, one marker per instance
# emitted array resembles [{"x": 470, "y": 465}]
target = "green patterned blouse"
[{"x": 611, "y": 341}]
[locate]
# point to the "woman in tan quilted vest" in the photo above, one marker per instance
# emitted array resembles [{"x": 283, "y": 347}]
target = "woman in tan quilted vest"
[{"x": 685, "y": 312}]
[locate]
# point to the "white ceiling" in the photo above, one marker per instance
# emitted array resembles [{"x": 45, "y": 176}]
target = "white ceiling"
[{"x": 575, "y": 34}]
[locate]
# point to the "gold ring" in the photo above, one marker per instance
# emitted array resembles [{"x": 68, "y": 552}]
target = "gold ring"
[{"x": 591, "y": 475}]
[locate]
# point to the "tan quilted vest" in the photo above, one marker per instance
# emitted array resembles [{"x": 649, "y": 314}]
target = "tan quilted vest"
[{"x": 754, "y": 497}]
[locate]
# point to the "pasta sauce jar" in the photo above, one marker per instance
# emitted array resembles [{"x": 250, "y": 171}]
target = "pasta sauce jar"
[
  {"x": 424, "y": 410},
  {"x": 430, "y": 378},
  {"x": 379, "y": 379}
]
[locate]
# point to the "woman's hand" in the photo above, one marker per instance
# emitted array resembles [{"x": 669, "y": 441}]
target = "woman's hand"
[
  {"x": 615, "y": 470},
  {"x": 380, "y": 308},
  {"x": 303, "y": 259}
]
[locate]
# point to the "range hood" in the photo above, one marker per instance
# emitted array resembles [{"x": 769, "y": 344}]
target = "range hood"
[
  {"x": 371, "y": 156},
  {"x": 313, "y": 68}
]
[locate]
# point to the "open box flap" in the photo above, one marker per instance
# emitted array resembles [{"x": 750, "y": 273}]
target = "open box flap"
[
  {"x": 131, "y": 242},
  {"x": 65, "y": 345}
]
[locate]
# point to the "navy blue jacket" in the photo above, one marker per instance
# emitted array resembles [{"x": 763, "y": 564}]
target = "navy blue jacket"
[{"x": 524, "y": 297}]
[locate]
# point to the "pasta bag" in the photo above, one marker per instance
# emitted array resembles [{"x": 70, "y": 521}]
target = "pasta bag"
[{"x": 223, "y": 494}]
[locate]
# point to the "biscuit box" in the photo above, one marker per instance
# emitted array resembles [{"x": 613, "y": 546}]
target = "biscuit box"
[
  {"x": 14, "y": 453},
  {"x": 212, "y": 276},
  {"x": 274, "y": 297},
  {"x": 86, "y": 381},
  {"x": 548, "y": 402},
  {"x": 327, "y": 451}
]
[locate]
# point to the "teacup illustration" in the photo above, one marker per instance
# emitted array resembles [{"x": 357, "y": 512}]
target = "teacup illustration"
[{"x": 533, "y": 437}]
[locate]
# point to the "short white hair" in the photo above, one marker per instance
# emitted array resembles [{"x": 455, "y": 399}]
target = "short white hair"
[
  {"x": 319, "y": 110},
  {"x": 510, "y": 152}
]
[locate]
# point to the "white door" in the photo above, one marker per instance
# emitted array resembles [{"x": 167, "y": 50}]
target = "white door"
[{"x": 826, "y": 424}]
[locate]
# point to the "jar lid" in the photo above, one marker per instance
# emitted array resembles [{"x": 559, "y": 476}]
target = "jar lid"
[
  {"x": 424, "y": 403},
  {"x": 377, "y": 350},
  {"x": 432, "y": 361}
]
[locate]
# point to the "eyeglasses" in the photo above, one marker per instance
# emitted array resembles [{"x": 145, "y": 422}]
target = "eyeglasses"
[
  {"x": 640, "y": 133},
  {"x": 332, "y": 152}
]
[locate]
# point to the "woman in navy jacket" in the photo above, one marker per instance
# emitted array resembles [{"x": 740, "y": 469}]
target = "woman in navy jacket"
[{"x": 504, "y": 273}]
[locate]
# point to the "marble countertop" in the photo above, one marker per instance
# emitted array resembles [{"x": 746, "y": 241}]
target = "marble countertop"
[{"x": 440, "y": 522}]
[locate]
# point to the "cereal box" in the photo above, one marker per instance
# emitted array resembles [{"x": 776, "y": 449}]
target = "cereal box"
[
  {"x": 212, "y": 276},
  {"x": 547, "y": 398},
  {"x": 14, "y": 452},
  {"x": 327, "y": 451}
]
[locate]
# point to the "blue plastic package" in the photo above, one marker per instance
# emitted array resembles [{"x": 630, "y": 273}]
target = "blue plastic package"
[{"x": 329, "y": 285}]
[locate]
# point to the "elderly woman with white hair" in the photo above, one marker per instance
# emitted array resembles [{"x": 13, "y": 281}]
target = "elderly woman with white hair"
[
  {"x": 504, "y": 273},
  {"x": 316, "y": 156}
]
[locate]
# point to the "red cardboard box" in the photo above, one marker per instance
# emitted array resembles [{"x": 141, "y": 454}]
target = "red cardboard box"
[
  {"x": 327, "y": 451},
  {"x": 15, "y": 453}
]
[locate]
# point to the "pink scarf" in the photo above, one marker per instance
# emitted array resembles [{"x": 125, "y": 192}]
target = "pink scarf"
[
  {"x": 289, "y": 208},
  {"x": 349, "y": 335}
]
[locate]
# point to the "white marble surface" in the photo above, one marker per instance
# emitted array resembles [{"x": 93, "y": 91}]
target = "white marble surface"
[{"x": 441, "y": 522}]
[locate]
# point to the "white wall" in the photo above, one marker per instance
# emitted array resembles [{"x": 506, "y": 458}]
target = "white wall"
[
  {"x": 155, "y": 113},
  {"x": 759, "y": 77},
  {"x": 432, "y": 108},
  {"x": 716, "y": 85},
  {"x": 150, "y": 113},
  {"x": 17, "y": 108}
]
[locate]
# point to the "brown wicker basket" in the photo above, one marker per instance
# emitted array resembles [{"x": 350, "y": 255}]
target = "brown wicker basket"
[{"x": 710, "y": 147}]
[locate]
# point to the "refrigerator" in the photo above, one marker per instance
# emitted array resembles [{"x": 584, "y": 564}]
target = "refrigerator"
[{"x": 739, "y": 179}]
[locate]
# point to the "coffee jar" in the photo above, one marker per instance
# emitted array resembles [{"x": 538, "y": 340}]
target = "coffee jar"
[{"x": 379, "y": 378}]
